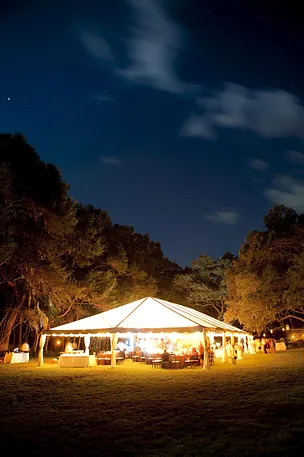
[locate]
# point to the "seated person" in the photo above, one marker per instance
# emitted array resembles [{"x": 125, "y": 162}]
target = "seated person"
[
  {"x": 122, "y": 354},
  {"x": 194, "y": 354},
  {"x": 165, "y": 356}
]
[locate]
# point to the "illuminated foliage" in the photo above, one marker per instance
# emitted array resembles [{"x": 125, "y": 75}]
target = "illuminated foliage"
[
  {"x": 203, "y": 286},
  {"x": 265, "y": 282}
]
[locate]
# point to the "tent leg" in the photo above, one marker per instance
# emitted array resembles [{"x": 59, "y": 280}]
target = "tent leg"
[
  {"x": 224, "y": 358},
  {"x": 114, "y": 338},
  {"x": 206, "y": 365}
]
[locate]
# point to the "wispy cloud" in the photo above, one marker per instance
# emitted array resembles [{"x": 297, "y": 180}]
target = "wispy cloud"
[
  {"x": 153, "y": 48},
  {"x": 258, "y": 164},
  {"x": 269, "y": 113},
  {"x": 296, "y": 156},
  {"x": 287, "y": 191},
  {"x": 154, "y": 43},
  {"x": 223, "y": 217},
  {"x": 198, "y": 126},
  {"x": 96, "y": 46},
  {"x": 110, "y": 160},
  {"x": 104, "y": 98}
]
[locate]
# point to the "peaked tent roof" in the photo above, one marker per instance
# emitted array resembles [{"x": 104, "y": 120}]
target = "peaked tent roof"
[{"x": 147, "y": 314}]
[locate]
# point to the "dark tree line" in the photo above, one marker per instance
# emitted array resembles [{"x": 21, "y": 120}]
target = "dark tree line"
[{"x": 61, "y": 260}]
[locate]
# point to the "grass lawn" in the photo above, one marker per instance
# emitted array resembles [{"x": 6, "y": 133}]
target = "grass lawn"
[{"x": 254, "y": 408}]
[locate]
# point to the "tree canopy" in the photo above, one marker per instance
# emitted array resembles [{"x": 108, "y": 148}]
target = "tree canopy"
[
  {"x": 203, "y": 286},
  {"x": 265, "y": 282}
]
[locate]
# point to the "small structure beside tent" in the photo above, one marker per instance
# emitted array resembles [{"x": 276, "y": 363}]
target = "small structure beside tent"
[{"x": 149, "y": 318}]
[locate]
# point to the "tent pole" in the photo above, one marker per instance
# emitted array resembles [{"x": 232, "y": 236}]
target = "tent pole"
[
  {"x": 87, "y": 340},
  {"x": 224, "y": 358},
  {"x": 206, "y": 365},
  {"x": 245, "y": 345},
  {"x": 114, "y": 338}
]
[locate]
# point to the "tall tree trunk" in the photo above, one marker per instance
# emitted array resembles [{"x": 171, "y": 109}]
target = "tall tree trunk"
[
  {"x": 10, "y": 323},
  {"x": 36, "y": 341},
  {"x": 8, "y": 326},
  {"x": 20, "y": 336}
]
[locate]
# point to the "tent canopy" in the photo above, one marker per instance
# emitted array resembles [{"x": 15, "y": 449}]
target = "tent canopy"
[{"x": 146, "y": 315}]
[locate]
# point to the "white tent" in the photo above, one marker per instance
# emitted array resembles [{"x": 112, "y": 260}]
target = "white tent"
[{"x": 148, "y": 315}]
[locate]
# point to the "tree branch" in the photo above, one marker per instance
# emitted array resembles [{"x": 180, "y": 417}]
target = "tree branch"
[
  {"x": 67, "y": 311},
  {"x": 291, "y": 316},
  {"x": 13, "y": 280},
  {"x": 4, "y": 261}
]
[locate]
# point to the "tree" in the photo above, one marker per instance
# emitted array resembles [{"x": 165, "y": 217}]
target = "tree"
[
  {"x": 294, "y": 295},
  {"x": 60, "y": 260},
  {"x": 139, "y": 264},
  {"x": 80, "y": 277},
  {"x": 281, "y": 220},
  {"x": 203, "y": 286},
  {"x": 36, "y": 214},
  {"x": 7, "y": 214},
  {"x": 264, "y": 282}
]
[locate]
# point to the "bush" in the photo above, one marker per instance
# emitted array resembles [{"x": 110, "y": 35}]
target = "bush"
[{"x": 295, "y": 344}]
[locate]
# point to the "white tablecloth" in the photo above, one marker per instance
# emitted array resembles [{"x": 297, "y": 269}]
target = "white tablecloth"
[
  {"x": 16, "y": 357},
  {"x": 280, "y": 346},
  {"x": 77, "y": 360},
  {"x": 218, "y": 353}
]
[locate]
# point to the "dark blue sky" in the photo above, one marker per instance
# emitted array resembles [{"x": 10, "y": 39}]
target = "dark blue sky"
[{"x": 182, "y": 118}]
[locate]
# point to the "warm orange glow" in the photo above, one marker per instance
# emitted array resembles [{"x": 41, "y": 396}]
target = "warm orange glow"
[{"x": 58, "y": 342}]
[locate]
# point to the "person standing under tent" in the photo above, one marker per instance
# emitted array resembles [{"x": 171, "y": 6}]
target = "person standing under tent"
[
  {"x": 201, "y": 354},
  {"x": 229, "y": 349}
]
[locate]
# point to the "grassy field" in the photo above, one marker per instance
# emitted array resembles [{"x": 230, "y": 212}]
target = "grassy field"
[{"x": 254, "y": 408}]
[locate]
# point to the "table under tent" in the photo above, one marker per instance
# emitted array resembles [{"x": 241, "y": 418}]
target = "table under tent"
[{"x": 149, "y": 323}]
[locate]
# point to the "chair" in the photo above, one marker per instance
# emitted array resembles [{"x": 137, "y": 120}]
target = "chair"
[
  {"x": 175, "y": 364},
  {"x": 211, "y": 359},
  {"x": 192, "y": 363},
  {"x": 156, "y": 363}
]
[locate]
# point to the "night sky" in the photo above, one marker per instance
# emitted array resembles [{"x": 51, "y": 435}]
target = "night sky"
[{"x": 183, "y": 118}]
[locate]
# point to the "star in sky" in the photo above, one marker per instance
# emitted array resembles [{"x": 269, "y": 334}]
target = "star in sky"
[{"x": 142, "y": 103}]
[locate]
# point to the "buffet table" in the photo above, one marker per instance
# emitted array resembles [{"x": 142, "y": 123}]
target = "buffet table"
[
  {"x": 16, "y": 357},
  {"x": 77, "y": 360}
]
